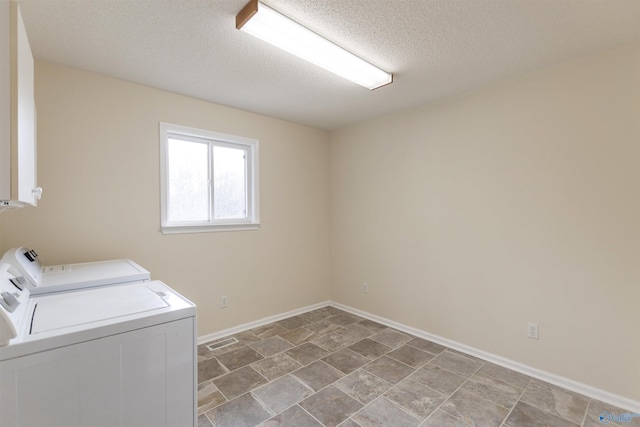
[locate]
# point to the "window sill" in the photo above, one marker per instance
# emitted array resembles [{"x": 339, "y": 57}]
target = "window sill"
[{"x": 210, "y": 228}]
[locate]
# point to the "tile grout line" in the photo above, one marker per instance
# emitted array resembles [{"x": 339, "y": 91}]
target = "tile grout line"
[
  {"x": 371, "y": 333},
  {"x": 289, "y": 407},
  {"x": 406, "y": 411},
  {"x": 394, "y": 385},
  {"x": 586, "y": 412},
  {"x": 262, "y": 404},
  {"x": 515, "y": 404},
  {"x": 364, "y": 405},
  {"x": 370, "y": 359},
  {"x": 562, "y": 389},
  {"x": 452, "y": 393},
  {"x": 311, "y": 415}
]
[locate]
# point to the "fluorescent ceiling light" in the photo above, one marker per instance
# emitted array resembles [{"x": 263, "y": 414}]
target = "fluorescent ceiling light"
[{"x": 266, "y": 24}]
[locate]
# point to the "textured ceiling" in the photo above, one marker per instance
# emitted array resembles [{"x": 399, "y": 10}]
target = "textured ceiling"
[{"x": 435, "y": 48}]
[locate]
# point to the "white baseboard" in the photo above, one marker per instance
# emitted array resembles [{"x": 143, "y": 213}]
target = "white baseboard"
[
  {"x": 575, "y": 386},
  {"x": 255, "y": 324}
]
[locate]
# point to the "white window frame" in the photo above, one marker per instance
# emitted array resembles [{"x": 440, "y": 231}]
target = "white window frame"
[{"x": 251, "y": 222}]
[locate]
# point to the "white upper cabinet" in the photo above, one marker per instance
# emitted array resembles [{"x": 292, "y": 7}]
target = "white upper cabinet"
[{"x": 17, "y": 112}]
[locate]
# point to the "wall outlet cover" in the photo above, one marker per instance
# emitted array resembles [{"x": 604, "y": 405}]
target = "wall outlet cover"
[{"x": 532, "y": 331}]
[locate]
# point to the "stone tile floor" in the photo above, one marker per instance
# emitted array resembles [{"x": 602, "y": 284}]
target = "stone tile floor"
[{"x": 332, "y": 368}]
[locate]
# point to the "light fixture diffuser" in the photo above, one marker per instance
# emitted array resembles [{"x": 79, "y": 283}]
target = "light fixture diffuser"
[{"x": 268, "y": 25}]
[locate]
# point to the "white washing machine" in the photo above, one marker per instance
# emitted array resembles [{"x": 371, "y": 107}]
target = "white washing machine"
[
  {"x": 109, "y": 356},
  {"x": 29, "y": 272}
]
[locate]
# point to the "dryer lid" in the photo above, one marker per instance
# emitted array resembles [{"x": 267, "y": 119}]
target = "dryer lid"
[{"x": 79, "y": 308}]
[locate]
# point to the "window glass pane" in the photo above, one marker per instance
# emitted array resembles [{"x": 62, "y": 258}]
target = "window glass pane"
[
  {"x": 188, "y": 166},
  {"x": 229, "y": 183}
]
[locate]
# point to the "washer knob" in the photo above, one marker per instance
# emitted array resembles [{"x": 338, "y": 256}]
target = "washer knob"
[{"x": 37, "y": 193}]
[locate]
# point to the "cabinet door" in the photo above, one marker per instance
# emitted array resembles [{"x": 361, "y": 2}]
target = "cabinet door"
[
  {"x": 5, "y": 100},
  {"x": 23, "y": 113}
]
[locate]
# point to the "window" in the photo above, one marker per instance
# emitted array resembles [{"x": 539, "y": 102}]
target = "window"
[{"x": 209, "y": 181}]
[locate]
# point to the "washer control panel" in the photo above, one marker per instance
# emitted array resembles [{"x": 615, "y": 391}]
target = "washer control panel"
[
  {"x": 9, "y": 301},
  {"x": 24, "y": 262},
  {"x": 13, "y": 301}
]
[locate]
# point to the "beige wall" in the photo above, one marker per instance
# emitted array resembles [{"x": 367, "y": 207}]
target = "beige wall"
[
  {"x": 468, "y": 218},
  {"x": 98, "y": 151},
  {"x": 516, "y": 203}
]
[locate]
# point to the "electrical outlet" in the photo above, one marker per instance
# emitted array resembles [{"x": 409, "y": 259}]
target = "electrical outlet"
[
  {"x": 365, "y": 288},
  {"x": 532, "y": 331},
  {"x": 223, "y": 302}
]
